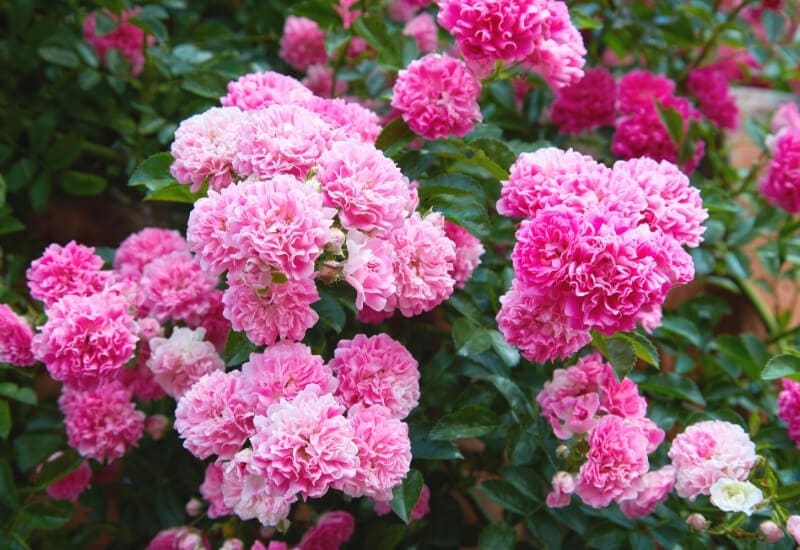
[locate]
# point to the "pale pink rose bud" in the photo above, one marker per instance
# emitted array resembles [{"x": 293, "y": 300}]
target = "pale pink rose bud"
[
  {"x": 156, "y": 426},
  {"x": 232, "y": 544},
  {"x": 563, "y": 486},
  {"x": 335, "y": 241},
  {"x": 793, "y": 527},
  {"x": 192, "y": 541},
  {"x": 562, "y": 452},
  {"x": 697, "y": 521},
  {"x": 772, "y": 533},
  {"x": 329, "y": 272},
  {"x": 193, "y": 507}
]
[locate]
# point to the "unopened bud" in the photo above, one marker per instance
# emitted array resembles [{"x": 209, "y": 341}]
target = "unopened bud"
[
  {"x": 193, "y": 507},
  {"x": 697, "y": 521},
  {"x": 156, "y": 425},
  {"x": 772, "y": 533}
]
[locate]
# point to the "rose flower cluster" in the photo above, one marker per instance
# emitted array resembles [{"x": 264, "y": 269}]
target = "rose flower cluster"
[
  {"x": 437, "y": 95},
  {"x": 632, "y": 107},
  {"x": 599, "y": 247},
  {"x": 587, "y": 402},
  {"x": 536, "y": 33},
  {"x": 103, "y": 337},
  {"x": 126, "y": 38},
  {"x": 780, "y": 184},
  {"x": 298, "y": 191},
  {"x": 306, "y": 426}
]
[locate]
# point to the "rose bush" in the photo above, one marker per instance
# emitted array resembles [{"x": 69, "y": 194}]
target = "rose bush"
[{"x": 434, "y": 274}]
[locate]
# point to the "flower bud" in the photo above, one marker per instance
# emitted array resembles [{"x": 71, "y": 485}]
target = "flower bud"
[
  {"x": 697, "y": 521},
  {"x": 232, "y": 544},
  {"x": 193, "y": 507},
  {"x": 772, "y": 533},
  {"x": 156, "y": 425}
]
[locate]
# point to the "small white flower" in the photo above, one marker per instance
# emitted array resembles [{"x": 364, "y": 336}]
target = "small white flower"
[{"x": 730, "y": 495}]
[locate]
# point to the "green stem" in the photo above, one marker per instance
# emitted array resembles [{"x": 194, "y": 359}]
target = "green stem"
[
  {"x": 751, "y": 175},
  {"x": 711, "y": 42},
  {"x": 763, "y": 311},
  {"x": 102, "y": 151}
]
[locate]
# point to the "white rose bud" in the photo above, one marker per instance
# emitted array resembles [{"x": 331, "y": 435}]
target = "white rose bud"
[{"x": 730, "y": 495}]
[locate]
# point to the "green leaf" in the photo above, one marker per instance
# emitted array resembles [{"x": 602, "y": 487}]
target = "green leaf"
[
  {"x": 107, "y": 253},
  {"x": 33, "y": 448},
  {"x": 17, "y": 393},
  {"x": 643, "y": 347},
  {"x": 63, "y": 152},
  {"x": 782, "y": 366},
  {"x": 81, "y": 183},
  {"x": 394, "y": 137},
  {"x": 330, "y": 312},
  {"x": 56, "y": 469},
  {"x": 385, "y": 536},
  {"x": 621, "y": 355},
  {"x": 410, "y": 50},
  {"x": 39, "y": 191},
  {"x": 237, "y": 348},
  {"x": 497, "y": 536},
  {"x": 524, "y": 479},
  {"x": 59, "y": 56},
  {"x": 8, "y": 223},
  {"x": 470, "y": 339},
  {"x": 465, "y": 211},
  {"x": 406, "y": 495},
  {"x": 544, "y": 530},
  {"x": 606, "y": 537},
  {"x": 450, "y": 184},
  {"x": 153, "y": 173},
  {"x": 47, "y": 515},
  {"x": 334, "y": 41},
  {"x": 8, "y": 491},
  {"x": 469, "y": 421},
  {"x": 425, "y": 449},
  {"x": 205, "y": 84},
  {"x": 522, "y": 443},
  {"x": 507, "y": 496},
  {"x": 508, "y": 353},
  {"x": 319, "y": 10},
  {"x": 150, "y": 25},
  {"x": 3, "y": 188},
  {"x": 5, "y": 419},
  {"x": 88, "y": 80},
  {"x": 673, "y": 385},
  {"x": 177, "y": 192},
  {"x": 465, "y": 306},
  {"x": 673, "y": 120},
  {"x": 373, "y": 30},
  {"x": 520, "y": 404},
  {"x": 774, "y": 25},
  {"x": 684, "y": 328},
  {"x": 584, "y": 21},
  {"x": 733, "y": 349},
  {"x": 87, "y": 54},
  {"x": 640, "y": 541},
  {"x": 104, "y": 23},
  {"x": 789, "y": 493},
  {"x": 497, "y": 152}
]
